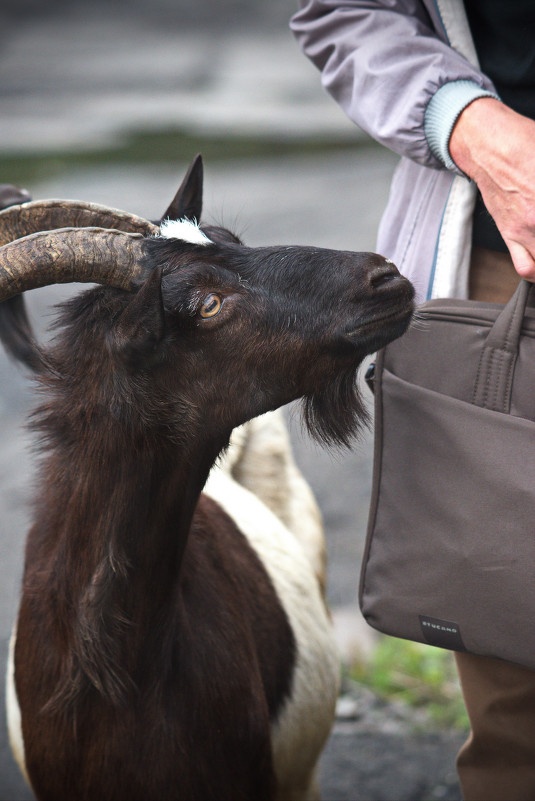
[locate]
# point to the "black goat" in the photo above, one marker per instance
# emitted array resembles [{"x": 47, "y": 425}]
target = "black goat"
[{"x": 173, "y": 643}]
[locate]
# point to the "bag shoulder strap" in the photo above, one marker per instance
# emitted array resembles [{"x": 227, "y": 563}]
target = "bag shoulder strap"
[{"x": 494, "y": 378}]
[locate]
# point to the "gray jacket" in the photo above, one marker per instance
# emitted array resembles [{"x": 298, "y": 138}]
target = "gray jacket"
[{"x": 403, "y": 70}]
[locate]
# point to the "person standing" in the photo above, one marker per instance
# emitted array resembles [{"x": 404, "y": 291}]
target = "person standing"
[{"x": 450, "y": 87}]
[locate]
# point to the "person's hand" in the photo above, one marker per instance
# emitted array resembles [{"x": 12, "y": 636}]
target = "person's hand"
[{"x": 495, "y": 147}]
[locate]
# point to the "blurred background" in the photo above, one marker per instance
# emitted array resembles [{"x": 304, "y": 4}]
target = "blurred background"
[{"x": 108, "y": 102}]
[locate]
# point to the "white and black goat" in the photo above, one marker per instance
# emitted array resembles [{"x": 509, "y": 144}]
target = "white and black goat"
[{"x": 174, "y": 643}]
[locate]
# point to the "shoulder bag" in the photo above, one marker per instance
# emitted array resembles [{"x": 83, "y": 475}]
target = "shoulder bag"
[{"x": 450, "y": 550}]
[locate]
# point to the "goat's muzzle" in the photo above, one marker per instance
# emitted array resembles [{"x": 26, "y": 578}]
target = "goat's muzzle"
[{"x": 386, "y": 310}]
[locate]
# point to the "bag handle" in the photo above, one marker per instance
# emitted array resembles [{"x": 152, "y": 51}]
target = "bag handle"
[{"x": 494, "y": 379}]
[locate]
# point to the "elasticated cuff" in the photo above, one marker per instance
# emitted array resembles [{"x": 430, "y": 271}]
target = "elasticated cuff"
[{"x": 442, "y": 112}]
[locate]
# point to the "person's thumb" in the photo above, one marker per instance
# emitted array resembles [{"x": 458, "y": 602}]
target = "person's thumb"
[{"x": 523, "y": 261}]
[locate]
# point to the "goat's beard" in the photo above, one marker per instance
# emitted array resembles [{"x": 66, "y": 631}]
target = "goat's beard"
[{"x": 334, "y": 414}]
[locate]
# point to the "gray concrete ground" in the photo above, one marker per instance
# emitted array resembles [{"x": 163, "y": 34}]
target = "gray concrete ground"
[{"x": 82, "y": 76}]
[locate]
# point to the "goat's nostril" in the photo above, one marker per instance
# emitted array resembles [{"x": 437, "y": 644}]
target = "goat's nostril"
[{"x": 383, "y": 274}]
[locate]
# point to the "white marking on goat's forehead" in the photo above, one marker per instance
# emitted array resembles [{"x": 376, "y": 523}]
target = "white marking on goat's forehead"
[{"x": 187, "y": 230}]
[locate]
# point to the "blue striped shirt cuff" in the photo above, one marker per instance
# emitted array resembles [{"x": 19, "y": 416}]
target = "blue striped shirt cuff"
[{"x": 442, "y": 112}]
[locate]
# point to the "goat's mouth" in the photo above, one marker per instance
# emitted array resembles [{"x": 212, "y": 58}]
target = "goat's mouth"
[{"x": 385, "y": 327}]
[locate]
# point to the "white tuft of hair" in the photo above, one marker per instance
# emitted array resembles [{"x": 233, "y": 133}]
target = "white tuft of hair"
[{"x": 187, "y": 230}]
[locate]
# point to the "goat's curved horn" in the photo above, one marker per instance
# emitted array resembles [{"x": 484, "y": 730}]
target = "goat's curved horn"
[
  {"x": 47, "y": 215},
  {"x": 111, "y": 257}
]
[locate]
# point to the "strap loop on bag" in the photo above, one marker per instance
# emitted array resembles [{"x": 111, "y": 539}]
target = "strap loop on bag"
[{"x": 494, "y": 378}]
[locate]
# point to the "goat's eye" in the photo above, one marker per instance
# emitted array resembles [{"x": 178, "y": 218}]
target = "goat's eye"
[{"x": 211, "y": 306}]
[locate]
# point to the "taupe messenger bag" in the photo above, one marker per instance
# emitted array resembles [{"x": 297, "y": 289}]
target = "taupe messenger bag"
[{"x": 450, "y": 551}]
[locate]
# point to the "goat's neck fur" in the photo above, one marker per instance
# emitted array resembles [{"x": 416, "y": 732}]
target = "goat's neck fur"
[
  {"x": 125, "y": 557},
  {"x": 114, "y": 542}
]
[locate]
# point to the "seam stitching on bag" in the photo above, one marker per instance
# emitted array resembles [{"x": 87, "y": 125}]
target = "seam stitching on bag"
[
  {"x": 487, "y": 378},
  {"x": 509, "y": 373},
  {"x": 497, "y": 383},
  {"x": 478, "y": 378},
  {"x": 509, "y": 385},
  {"x": 378, "y": 450}
]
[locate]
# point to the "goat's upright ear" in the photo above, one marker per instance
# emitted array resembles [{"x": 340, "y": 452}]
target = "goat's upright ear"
[
  {"x": 187, "y": 203},
  {"x": 141, "y": 326}
]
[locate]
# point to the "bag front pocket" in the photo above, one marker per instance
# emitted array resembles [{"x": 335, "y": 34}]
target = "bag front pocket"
[{"x": 451, "y": 532}]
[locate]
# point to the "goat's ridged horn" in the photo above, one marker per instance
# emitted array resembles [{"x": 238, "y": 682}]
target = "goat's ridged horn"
[
  {"x": 110, "y": 257},
  {"x": 47, "y": 215}
]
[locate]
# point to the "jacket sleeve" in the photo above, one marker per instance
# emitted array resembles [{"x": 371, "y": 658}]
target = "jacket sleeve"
[{"x": 383, "y": 63}]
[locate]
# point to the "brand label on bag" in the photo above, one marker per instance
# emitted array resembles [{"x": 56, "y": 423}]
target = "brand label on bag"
[{"x": 442, "y": 633}]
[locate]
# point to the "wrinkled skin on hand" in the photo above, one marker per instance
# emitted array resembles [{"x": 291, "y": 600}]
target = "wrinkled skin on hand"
[{"x": 495, "y": 147}]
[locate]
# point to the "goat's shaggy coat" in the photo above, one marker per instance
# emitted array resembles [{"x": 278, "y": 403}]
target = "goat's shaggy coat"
[{"x": 173, "y": 643}]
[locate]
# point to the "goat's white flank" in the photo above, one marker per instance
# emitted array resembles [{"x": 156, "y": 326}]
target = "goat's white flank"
[{"x": 187, "y": 230}]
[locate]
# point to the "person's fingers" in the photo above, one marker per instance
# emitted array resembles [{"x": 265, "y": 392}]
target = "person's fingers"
[{"x": 522, "y": 259}]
